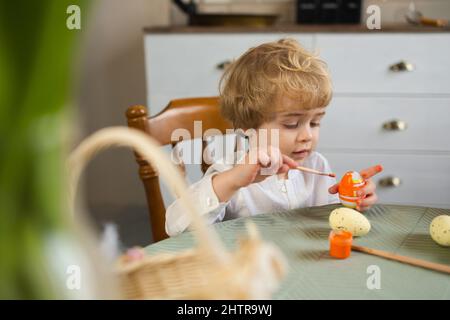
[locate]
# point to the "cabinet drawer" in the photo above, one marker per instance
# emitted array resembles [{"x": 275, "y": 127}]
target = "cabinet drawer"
[
  {"x": 360, "y": 63},
  {"x": 187, "y": 64},
  {"x": 358, "y": 123},
  {"x": 424, "y": 179}
]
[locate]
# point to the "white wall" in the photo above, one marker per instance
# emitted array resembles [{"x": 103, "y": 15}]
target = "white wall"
[
  {"x": 113, "y": 78},
  {"x": 392, "y": 10}
]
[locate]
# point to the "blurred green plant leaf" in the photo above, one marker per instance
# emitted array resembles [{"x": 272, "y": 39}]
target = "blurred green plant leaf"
[{"x": 36, "y": 61}]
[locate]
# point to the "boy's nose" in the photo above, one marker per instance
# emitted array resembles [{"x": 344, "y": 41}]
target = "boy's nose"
[{"x": 304, "y": 134}]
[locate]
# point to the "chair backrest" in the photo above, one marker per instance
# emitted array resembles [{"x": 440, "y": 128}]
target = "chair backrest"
[{"x": 179, "y": 114}]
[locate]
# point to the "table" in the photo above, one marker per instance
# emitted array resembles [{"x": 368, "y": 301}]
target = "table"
[{"x": 302, "y": 235}]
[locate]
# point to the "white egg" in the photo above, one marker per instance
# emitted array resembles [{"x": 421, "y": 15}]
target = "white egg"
[
  {"x": 440, "y": 230},
  {"x": 349, "y": 220}
]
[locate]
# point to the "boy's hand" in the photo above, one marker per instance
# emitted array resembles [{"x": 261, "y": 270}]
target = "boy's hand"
[
  {"x": 255, "y": 167},
  {"x": 367, "y": 194},
  {"x": 259, "y": 164}
]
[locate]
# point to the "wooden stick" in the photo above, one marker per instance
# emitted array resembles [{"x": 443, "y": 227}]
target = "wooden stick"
[
  {"x": 412, "y": 261},
  {"x": 316, "y": 172}
]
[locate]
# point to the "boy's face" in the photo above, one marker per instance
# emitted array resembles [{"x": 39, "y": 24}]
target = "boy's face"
[{"x": 298, "y": 129}]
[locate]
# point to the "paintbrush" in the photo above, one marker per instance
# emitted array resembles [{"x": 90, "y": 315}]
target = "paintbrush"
[
  {"x": 408, "y": 260},
  {"x": 332, "y": 175}
]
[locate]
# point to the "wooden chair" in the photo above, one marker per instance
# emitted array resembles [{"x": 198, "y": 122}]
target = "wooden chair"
[{"x": 180, "y": 113}]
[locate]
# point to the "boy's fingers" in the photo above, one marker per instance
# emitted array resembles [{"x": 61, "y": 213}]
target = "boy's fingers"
[
  {"x": 263, "y": 158},
  {"x": 368, "y": 202},
  {"x": 334, "y": 189},
  {"x": 368, "y": 189},
  {"x": 289, "y": 161},
  {"x": 283, "y": 169},
  {"x": 275, "y": 162},
  {"x": 275, "y": 157},
  {"x": 270, "y": 161},
  {"x": 370, "y": 172}
]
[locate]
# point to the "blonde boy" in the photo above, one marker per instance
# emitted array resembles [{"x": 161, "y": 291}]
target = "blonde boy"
[{"x": 280, "y": 88}]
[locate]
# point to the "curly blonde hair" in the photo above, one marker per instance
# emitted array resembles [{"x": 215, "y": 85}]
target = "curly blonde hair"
[{"x": 251, "y": 86}]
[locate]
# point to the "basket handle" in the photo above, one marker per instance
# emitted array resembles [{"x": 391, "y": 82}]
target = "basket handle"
[{"x": 149, "y": 148}]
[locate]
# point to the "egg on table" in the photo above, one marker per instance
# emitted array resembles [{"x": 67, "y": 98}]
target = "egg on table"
[
  {"x": 349, "y": 220},
  {"x": 440, "y": 230},
  {"x": 349, "y": 186}
]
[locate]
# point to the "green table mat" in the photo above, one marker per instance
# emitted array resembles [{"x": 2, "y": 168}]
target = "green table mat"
[{"x": 302, "y": 235}]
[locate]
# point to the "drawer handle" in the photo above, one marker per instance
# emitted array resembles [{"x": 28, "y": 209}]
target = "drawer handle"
[
  {"x": 223, "y": 65},
  {"x": 395, "y": 125},
  {"x": 402, "y": 66},
  {"x": 390, "y": 182}
]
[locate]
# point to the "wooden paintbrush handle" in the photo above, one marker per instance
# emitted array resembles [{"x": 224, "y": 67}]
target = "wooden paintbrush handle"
[
  {"x": 412, "y": 261},
  {"x": 434, "y": 22},
  {"x": 315, "y": 171}
]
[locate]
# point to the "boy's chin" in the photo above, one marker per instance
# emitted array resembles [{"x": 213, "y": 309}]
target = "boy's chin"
[
  {"x": 300, "y": 158},
  {"x": 299, "y": 161}
]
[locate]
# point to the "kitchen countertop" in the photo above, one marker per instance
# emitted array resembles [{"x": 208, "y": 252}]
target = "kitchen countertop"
[{"x": 401, "y": 28}]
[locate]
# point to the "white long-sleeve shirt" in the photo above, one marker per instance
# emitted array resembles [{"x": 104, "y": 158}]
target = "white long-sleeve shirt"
[{"x": 299, "y": 190}]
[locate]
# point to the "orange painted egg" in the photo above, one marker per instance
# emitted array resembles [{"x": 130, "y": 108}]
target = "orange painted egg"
[{"x": 350, "y": 183}]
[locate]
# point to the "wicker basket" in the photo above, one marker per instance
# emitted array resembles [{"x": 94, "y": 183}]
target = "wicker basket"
[{"x": 208, "y": 271}]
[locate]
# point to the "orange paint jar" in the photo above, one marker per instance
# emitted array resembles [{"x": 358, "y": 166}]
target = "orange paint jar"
[{"x": 340, "y": 244}]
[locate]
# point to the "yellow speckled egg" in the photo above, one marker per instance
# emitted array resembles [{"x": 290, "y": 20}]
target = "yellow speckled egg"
[
  {"x": 349, "y": 220},
  {"x": 440, "y": 230}
]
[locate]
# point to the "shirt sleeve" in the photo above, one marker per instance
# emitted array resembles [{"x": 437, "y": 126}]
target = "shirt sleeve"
[{"x": 204, "y": 197}]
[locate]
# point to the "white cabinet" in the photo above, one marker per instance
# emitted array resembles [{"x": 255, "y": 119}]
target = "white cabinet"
[
  {"x": 399, "y": 118},
  {"x": 424, "y": 178},
  {"x": 387, "y": 124},
  {"x": 361, "y": 63}
]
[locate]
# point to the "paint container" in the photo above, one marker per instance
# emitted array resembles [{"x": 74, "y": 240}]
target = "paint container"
[{"x": 340, "y": 244}]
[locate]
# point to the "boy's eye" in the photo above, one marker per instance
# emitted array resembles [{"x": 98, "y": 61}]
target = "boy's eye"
[
  {"x": 315, "y": 124},
  {"x": 291, "y": 125}
]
